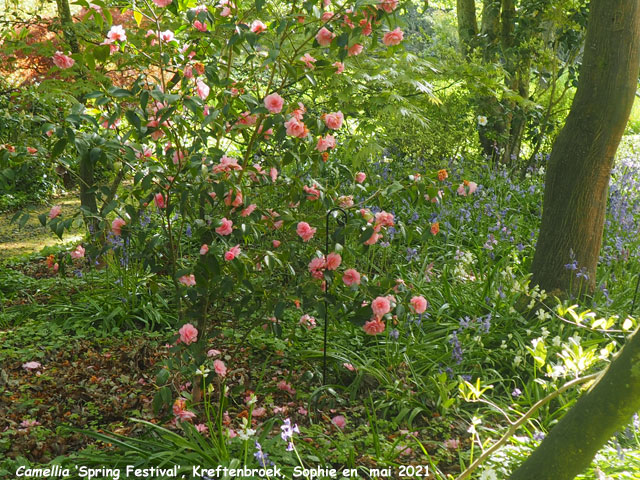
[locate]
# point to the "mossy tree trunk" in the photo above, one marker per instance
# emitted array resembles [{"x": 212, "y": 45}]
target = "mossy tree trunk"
[
  {"x": 66, "y": 21},
  {"x": 582, "y": 157},
  {"x": 467, "y": 25},
  {"x": 571, "y": 445}
]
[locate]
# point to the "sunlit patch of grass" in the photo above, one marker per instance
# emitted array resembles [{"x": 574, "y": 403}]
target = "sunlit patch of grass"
[{"x": 33, "y": 237}]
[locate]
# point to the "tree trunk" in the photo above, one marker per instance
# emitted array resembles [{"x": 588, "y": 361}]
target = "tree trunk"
[
  {"x": 571, "y": 445},
  {"x": 64, "y": 12},
  {"x": 580, "y": 165},
  {"x": 488, "y": 105},
  {"x": 467, "y": 24},
  {"x": 87, "y": 189}
]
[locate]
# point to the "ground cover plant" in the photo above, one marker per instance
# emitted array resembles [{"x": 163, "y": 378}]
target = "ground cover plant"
[{"x": 259, "y": 272}]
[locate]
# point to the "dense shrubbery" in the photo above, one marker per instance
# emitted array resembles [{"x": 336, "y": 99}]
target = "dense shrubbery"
[{"x": 205, "y": 185}]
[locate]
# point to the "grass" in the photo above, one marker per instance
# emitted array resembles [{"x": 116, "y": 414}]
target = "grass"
[{"x": 33, "y": 237}]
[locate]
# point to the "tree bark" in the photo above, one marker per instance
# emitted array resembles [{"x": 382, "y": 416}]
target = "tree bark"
[
  {"x": 571, "y": 445},
  {"x": 580, "y": 165},
  {"x": 467, "y": 24},
  {"x": 64, "y": 12}
]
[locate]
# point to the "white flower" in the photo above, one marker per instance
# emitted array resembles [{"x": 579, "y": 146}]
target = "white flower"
[
  {"x": 474, "y": 421},
  {"x": 482, "y": 120},
  {"x": 517, "y": 360},
  {"x": 488, "y": 474},
  {"x": 245, "y": 434},
  {"x": 557, "y": 341}
]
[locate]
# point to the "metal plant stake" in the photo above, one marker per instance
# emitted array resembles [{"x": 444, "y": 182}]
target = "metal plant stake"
[
  {"x": 635, "y": 294},
  {"x": 342, "y": 222}
]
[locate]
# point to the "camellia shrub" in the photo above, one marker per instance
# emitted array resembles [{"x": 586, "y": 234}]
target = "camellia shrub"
[{"x": 230, "y": 139}]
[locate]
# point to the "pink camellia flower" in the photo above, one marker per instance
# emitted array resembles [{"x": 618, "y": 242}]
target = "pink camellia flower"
[
  {"x": 204, "y": 249},
  {"x": 144, "y": 154},
  {"x": 225, "y": 228},
  {"x": 467, "y": 188},
  {"x": 258, "y": 27},
  {"x": 167, "y": 36},
  {"x": 351, "y": 277},
  {"x": 299, "y": 112},
  {"x": 316, "y": 267},
  {"x": 200, "y": 26},
  {"x": 226, "y": 164},
  {"x": 345, "y": 201},
  {"x": 361, "y": 177},
  {"x": 312, "y": 192},
  {"x": 247, "y": 119},
  {"x": 339, "y": 421},
  {"x": 295, "y": 128},
  {"x": 202, "y": 428},
  {"x": 388, "y": 5},
  {"x": 63, "y": 61},
  {"x": 162, "y": 3},
  {"x": 333, "y": 261},
  {"x": 305, "y": 231},
  {"x": 220, "y": 368},
  {"x": 333, "y": 120},
  {"x": 283, "y": 385},
  {"x": 233, "y": 198},
  {"x": 273, "y": 173},
  {"x": 180, "y": 410},
  {"x": 158, "y": 199},
  {"x": 308, "y": 60},
  {"x": 188, "y": 334},
  {"x": 366, "y": 27},
  {"x": 380, "y": 306},
  {"x": 276, "y": 243},
  {"x": 324, "y": 37},
  {"x": 325, "y": 143},
  {"x": 258, "y": 412},
  {"x": 452, "y": 443},
  {"x": 249, "y": 210},
  {"x": 419, "y": 304},
  {"x": 232, "y": 253},
  {"x": 339, "y": 67},
  {"x": 374, "y": 327},
  {"x": 202, "y": 89},
  {"x": 29, "y": 423},
  {"x": 116, "y": 226},
  {"x": 384, "y": 219},
  {"x": 393, "y": 37},
  {"x": 117, "y": 33},
  {"x": 373, "y": 239},
  {"x": 78, "y": 252},
  {"x": 355, "y": 49},
  {"x": 274, "y": 103},
  {"x": 55, "y": 211},
  {"x": 326, "y": 16},
  {"x": 308, "y": 321},
  {"x": 31, "y": 365},
  {"x": 213, "y": 353},
  {"x": 188, "y": 280},
  {"x": 349, "y": 367}
]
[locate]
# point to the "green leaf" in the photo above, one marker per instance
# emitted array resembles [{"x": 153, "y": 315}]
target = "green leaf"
[
  {"x": 365, "y": 235},
  {"x": 58, "y": 147},
  {"x": 138, "y": 17},
  {"x": 133, "y": 119}
]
